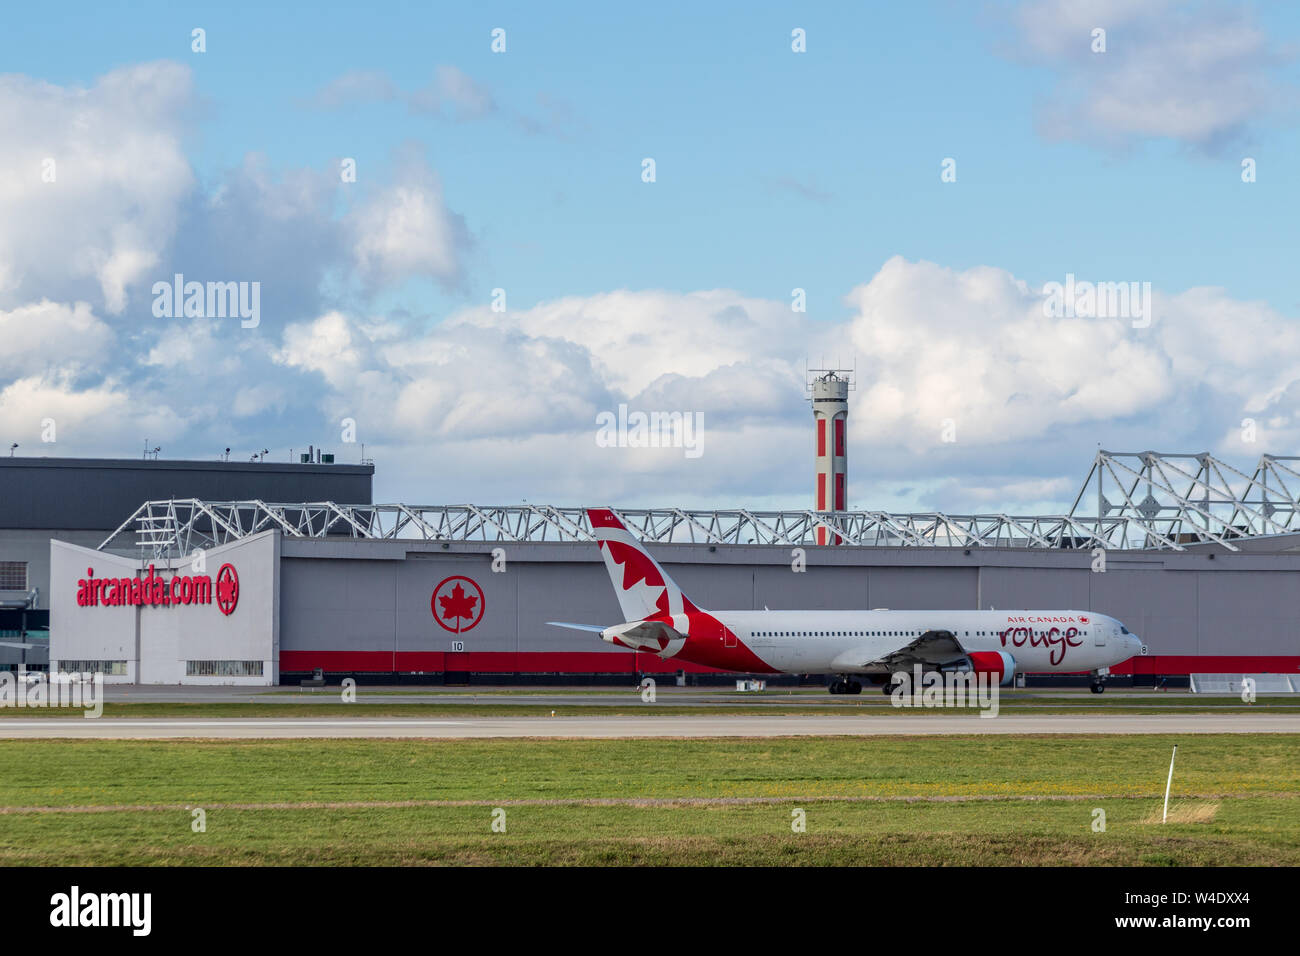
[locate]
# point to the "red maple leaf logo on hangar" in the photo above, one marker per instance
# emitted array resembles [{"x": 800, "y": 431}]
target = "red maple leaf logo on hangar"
[
  {"x": 455, "y": 608},
  {"x": 227, "y": 589},
  {"x": 458, "y": 605}
]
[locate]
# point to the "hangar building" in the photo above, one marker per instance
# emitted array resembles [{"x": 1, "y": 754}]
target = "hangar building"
[
  {"x": 84, "y": 501},
  {"x": 1203, "y": 565}
]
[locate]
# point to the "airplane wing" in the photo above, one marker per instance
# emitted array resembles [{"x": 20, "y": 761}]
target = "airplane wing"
[
  {"x": 932, "y": 648},
  {"x": 17, "y": 644}
]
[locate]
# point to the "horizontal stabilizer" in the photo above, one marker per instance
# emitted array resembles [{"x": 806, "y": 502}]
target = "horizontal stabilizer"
[{"x": 596, "y": 628}]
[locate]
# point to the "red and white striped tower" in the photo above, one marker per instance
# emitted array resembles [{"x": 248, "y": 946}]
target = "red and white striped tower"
[{"x": 829, "y": 390}]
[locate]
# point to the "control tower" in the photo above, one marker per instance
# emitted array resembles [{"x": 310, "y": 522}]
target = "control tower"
[{"x": 828, "y": 390}]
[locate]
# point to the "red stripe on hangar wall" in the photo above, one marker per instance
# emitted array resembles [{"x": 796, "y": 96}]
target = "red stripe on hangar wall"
[
  {"x": 583, "y": 662},
  {"x": 1209, "y": 664}
]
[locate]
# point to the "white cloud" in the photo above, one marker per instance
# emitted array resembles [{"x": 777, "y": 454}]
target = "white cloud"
[
  {"x": 452, "y": 94},
  {"x": 323, "y": 345},
  {"x": 508, "y": 400},
  {"x": 355, "y": 87},
  {"x": 503, "y": 405},
  {"x": 975, "y": 347},
  {"x": 1200, "y": 74},
  {"x": 1243, "y": 350},
  {"x": 51, "y": 334},
  {"x": 123, "y": 209},
  {"x": 100, "y": 419},
  {"x": 256, "y": 399},
  {"x": 500, "y": 405},
  {"x": 405, "y": 230},
  {"x": 636, "y": 337},
  {"x": 119, "y": 175}
]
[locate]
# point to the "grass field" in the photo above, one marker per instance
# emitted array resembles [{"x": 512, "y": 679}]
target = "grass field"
[
  {"x": 771, "y": 704},
  {"x": 891, "y": 800}
]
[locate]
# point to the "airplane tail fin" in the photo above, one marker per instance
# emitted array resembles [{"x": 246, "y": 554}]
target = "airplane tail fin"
[{"x": 643, "y": 588}]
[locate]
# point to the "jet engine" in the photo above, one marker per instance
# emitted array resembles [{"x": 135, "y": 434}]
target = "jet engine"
[{"x": 999, "y": 665}]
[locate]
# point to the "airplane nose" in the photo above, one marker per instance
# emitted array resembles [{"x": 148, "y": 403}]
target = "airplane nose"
[{"x": 1135, "y": 642}]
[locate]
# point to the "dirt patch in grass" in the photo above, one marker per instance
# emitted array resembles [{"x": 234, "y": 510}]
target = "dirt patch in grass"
[{"x": 1184, "y": 813}]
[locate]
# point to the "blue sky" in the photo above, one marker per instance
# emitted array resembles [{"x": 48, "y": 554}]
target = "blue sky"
[
  {"x": 775, "y": 170},
  {"x": 733, "y": 119}
]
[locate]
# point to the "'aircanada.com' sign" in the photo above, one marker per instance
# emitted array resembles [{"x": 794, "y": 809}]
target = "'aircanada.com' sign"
[{"x": 159, "y": 590}]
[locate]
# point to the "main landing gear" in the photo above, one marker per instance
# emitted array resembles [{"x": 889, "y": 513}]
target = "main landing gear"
[{"x": 844, "y": 685}]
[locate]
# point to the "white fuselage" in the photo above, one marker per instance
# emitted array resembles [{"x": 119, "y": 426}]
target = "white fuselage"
[{"x": 834, "y": 641}]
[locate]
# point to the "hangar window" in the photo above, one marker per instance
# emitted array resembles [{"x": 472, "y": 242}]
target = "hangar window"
[
  {"x": 107, "y": 668},
  {"x": 13, "y": 575},
  {"x": 223, "y": 668}
]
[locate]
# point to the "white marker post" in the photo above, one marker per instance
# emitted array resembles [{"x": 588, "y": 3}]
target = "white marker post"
[{"x": 1169, "y": 783}]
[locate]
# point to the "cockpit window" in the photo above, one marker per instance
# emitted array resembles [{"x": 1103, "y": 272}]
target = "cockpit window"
[{"x": 1123, "y": 629}]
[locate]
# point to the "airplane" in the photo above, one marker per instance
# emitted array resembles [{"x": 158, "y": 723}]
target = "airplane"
[{"x": 874, "y": 644}]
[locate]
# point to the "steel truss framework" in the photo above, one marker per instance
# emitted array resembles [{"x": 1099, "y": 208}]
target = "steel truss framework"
[{"x": 1145, "y": 500}]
